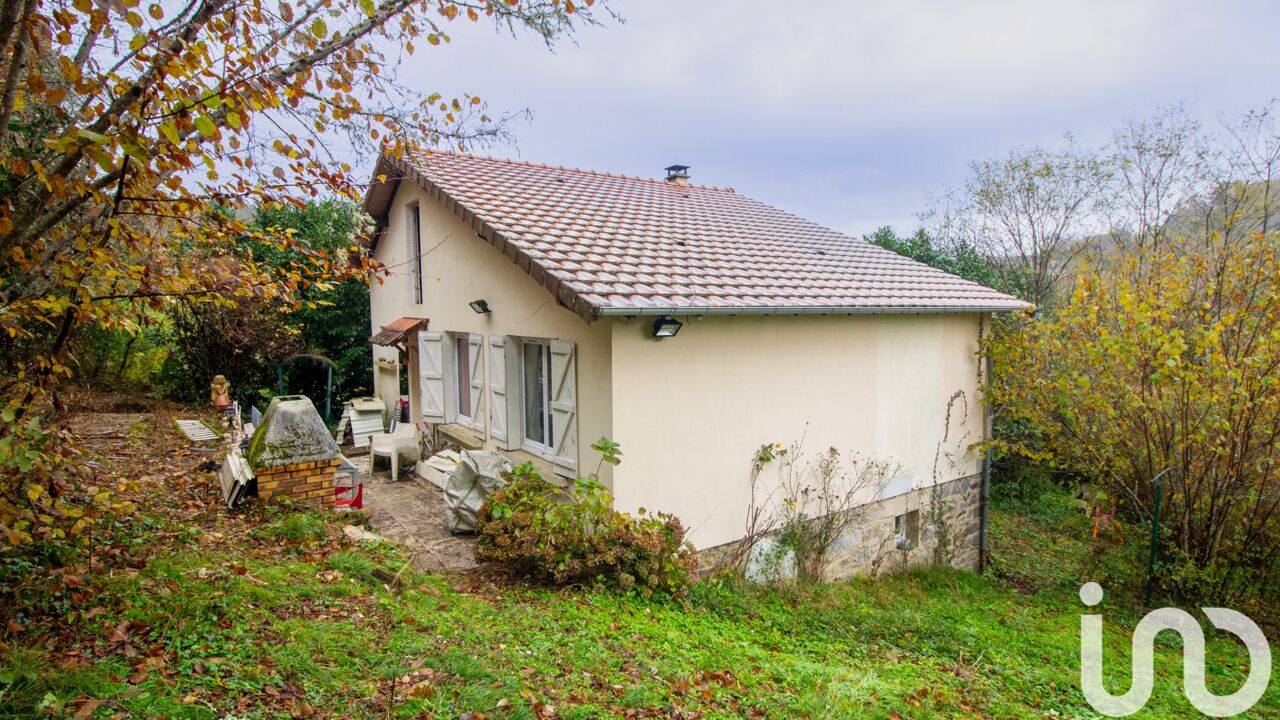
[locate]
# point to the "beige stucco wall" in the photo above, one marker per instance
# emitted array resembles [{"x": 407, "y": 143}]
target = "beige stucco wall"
[
  {"x": 458, "y": 267},
  {"x": 691, "y": 411}
]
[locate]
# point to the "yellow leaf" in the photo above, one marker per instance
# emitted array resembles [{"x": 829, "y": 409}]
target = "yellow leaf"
[
  {"x": 319, "y": 29},
  {"x": 68, "y": 68},
  {"x": 206, "y": 127},
  {"x": 34, "y": 492},
  {"x": 92, "y": 136}
]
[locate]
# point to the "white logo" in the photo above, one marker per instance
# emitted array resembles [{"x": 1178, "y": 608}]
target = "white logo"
[{"x": 1192, "y": 659}]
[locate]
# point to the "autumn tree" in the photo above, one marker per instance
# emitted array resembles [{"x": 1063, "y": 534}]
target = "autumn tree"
[
  {"x": 1029, "y": 214},
  {"x": 132, "y": 135},
  {"x": 1165, "y": 363}
]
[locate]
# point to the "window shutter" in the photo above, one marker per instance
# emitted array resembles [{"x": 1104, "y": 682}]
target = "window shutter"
[
  {"x": 431, "y": 376},
  {"x": 564, "y": 408},
  {"x": 475, "y": 351},
  {"x": 504, "y": 404}
]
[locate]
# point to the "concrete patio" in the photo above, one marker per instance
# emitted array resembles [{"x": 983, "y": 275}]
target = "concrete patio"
[{"x": 411, "y": 512}]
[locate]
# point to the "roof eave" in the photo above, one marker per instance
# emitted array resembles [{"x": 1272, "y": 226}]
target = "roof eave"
[
  {"x": 383, "y": 185},
  {"x": 786, "y": 310},
  {"x": 560, "y": 290}
]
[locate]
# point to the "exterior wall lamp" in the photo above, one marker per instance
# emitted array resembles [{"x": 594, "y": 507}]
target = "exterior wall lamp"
[
  {"x": 665, "y": 327},
  {"x": 480, "y": 306}
]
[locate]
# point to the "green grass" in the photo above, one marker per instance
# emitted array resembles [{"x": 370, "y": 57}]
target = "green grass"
[
  {"x": 297, "y": 624},
  {"x": 297, "y": 527}
]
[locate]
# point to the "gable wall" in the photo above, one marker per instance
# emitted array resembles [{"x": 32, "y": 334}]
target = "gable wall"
[
  {"x": 458, "y": 267},
  {"x": 691, "y": 411}
]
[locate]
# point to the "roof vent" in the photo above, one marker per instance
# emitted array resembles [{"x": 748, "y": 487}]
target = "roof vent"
[{"x": 678, "y": 174}]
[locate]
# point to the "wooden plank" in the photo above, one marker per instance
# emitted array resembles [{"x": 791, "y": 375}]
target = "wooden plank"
[{"x": 196, "y": 431}]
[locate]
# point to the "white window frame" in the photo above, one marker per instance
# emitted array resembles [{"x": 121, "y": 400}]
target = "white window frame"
[
  {"x": 462, "y": 416},
  {"x": 906, "y": 530},
  {"x": 413, "y": 233},
  {"x": 528, "y": 445}
]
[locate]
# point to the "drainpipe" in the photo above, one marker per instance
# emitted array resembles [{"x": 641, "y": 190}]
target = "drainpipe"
[{"x": 985, "y": 500}]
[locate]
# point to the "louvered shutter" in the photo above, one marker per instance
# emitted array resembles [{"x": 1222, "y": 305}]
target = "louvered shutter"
[
  {"x": 504, "y": 404},
  {"x": 431, "y": 376},
  {"x": 564, "y": 408},
  {"x": 475, "y": 352}
]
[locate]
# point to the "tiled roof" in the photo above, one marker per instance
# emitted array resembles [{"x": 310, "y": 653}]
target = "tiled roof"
[
  {"x": 611, "y": 244},
  {"x": 397, "y": 330}
]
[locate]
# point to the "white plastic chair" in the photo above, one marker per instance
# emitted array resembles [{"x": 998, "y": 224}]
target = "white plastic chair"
[{"x": 389, "y": 445}]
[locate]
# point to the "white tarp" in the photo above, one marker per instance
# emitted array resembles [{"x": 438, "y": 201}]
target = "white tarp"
[{"x": 476, "y": 477}]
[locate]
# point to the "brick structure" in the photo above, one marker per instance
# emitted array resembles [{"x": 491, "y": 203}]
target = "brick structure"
[
  {"x": 292, "y": 454},
  {"x": 311, "y": 482}
]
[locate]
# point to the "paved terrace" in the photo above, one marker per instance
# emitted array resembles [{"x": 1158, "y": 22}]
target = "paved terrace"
[{"x": 411, "y": 512}]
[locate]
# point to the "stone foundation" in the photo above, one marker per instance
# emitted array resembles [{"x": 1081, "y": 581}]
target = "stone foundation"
[
  {"x": 310, "y": 482},
  {"x": 941, "y": 524}
]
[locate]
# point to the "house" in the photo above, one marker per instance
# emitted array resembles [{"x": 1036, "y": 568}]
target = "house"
[{"x": 540, "y": 308}]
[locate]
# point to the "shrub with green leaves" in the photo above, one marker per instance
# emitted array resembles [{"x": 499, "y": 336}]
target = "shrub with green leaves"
[{"x": 543, "y": 533}]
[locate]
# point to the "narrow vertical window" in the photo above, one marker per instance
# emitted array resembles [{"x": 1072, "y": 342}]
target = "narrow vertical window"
[
  {"x": 415, "y": 254},
  {"x": 536, "y": 371},
  {"x": 462, "y": 345}
]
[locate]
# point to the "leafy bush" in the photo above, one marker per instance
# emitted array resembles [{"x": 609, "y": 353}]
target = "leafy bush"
[
  {"x": 1163, "y": 366},
  {"x": 533, "y": 529}
]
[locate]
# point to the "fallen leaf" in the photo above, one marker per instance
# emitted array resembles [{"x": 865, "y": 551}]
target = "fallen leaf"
[{"x": 86, "y": 709}]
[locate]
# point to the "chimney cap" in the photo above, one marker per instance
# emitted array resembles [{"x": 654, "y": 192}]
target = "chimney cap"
[{"x": 677, "y": 171}]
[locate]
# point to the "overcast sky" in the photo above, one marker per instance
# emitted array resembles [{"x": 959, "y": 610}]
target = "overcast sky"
[{"x": 853, "y": 113}]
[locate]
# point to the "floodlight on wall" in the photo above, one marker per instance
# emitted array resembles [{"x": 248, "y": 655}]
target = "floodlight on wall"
[
  {"x": 480, "y": 306},
  {"x": 665, "y": 327}
]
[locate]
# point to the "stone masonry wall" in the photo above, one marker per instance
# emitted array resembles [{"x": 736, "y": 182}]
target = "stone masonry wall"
[
  {"x": 310, "y": 482},
  {"x": 946, "y": 528}
]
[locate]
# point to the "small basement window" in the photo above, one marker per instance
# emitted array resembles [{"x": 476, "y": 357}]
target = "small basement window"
[{"x": 906, "y": 528}]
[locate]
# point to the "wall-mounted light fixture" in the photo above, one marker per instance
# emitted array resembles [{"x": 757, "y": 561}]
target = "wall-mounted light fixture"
[
  {"x": 480, "y": 306},
  {"x": 665, "y": 327}
]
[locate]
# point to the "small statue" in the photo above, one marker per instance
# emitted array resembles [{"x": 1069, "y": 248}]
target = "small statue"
[{"x": 220, "y": 393}]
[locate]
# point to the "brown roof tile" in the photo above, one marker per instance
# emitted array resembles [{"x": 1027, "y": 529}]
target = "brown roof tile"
[
  {"x": 613, "y": 244},
  {"x": 397, "y": 330}
]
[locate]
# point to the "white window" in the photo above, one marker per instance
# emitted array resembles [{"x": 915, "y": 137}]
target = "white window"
[
  {"x": 906, "y": 529},
  {"x": 535, "y": 373},
  {"x": 462, "y": 376},
  {"x": 415, "y": 254}
]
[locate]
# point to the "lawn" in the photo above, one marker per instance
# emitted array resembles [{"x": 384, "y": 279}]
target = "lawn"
[{"x": 274, "y": 613}]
